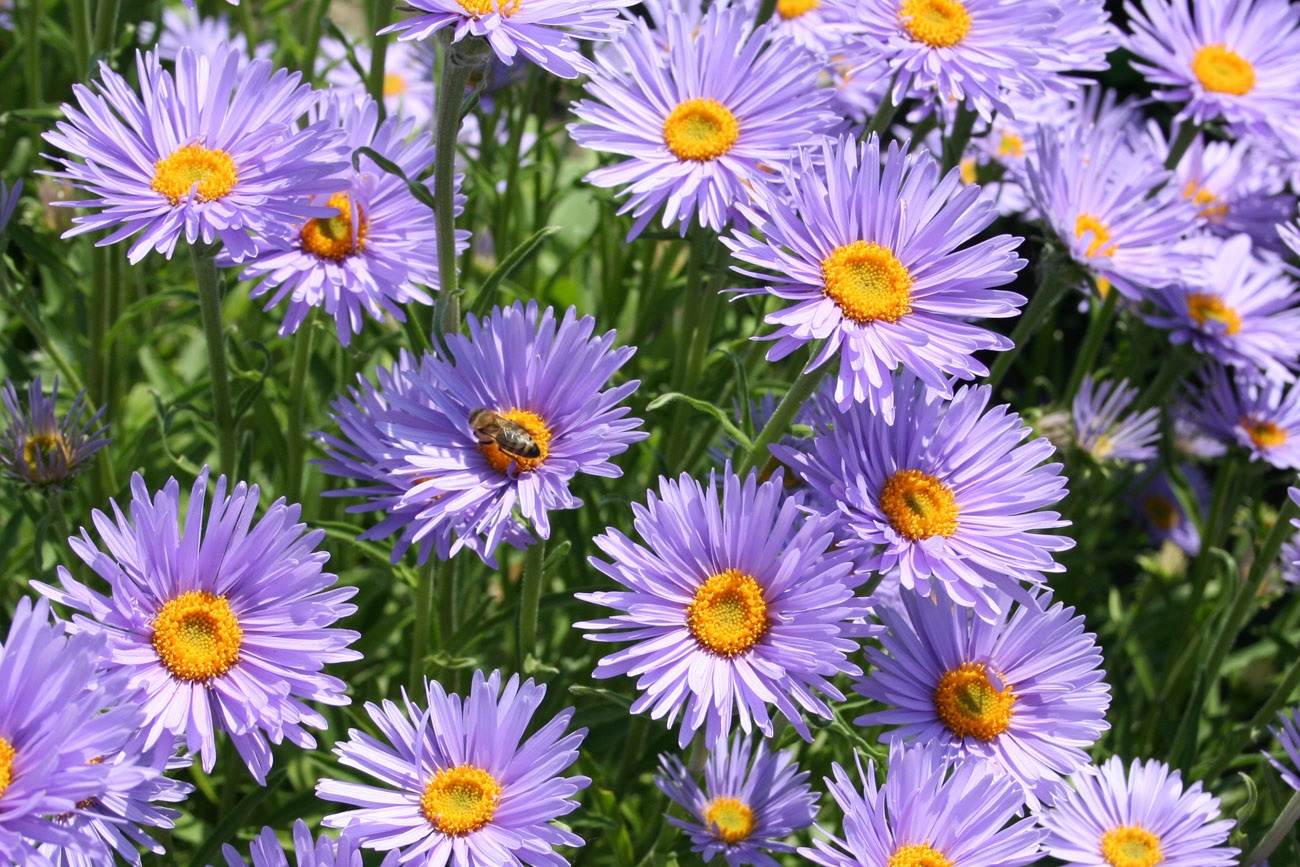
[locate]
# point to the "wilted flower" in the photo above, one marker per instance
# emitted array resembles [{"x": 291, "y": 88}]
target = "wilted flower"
[{"x": 40, "y": 447}]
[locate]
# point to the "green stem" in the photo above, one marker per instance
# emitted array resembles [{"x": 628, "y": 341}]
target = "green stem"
[
  {"x": 1232, "y": 747},
  {"x": 1098, "y": 326},
  {"x": 209, "y": 282},
  {"x": 954, "y": 144},
  {"x": 424, "y": 590},
  {"x": 381, "y": 15},
  {"x": 1057, "y": 275},
  {"x": 1182, "y": 141},
  {"x": 765, "y": 10},
  {"x": 884, "y": 113},
  {"x": 34, "y": 65},
  {"x": 1178, "y": 363},
  {"x": 1276, "y": 834},
  {"x": 106, "y": 25},
  {"x": 530, "y": 594},
  {"x": 297, "y": 407},
  {"x": 800, "y": 390}
]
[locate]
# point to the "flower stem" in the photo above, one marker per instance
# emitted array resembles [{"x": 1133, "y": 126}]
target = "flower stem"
[
  {"x": 530, "y": 594},
  {"x": 1098, "y": 326},
  {"x": 209, "y": 282},
  {"x": 381, "y": 15},
  {"x": 1056, "y": 278},
  {"x": 1182, "y": 141},
  {"x": 800, "y": 390},
  {"x": 297, "y": 404},
  {"x": 424, "y": 590},
  {"x": 1281, "y": 828}
]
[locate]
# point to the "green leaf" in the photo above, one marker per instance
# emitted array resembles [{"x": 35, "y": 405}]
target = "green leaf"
[
  {"x": 728, "y": 426},
  {"x": 519, "y": 255}
]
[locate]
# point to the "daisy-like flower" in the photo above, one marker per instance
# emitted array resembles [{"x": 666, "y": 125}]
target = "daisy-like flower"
[
  {"x": 1142, "y": 817},
  {"x": 927, "y": 813},
  {"x": 38, "y": 446},
  {"x": 869, "y": 255},
  {"x": 1162, "y": 511},
  {"x": 409, "y": 83},
  {"x": 460, "y": 784},
  {"x": 53, "y": 729},
  {"x": 702, "y": 125},
  {"x": 223, "y": 627},
  {"x": 549, "y": 418},
  {"x": 1100, "y": 428},
  {"x": 188, "y": 29},
  {"x": 1261, "y": 416},
  {"x": 1288, "y": 735},
  {"x": 733, "y": 604},
  {"x": 949, "y": 493},
  {"x": 266, "y": 851},
  {"x": 1243, "y": 310},
  {"x": 377, "y": 251},
  {"x": 545, "y": 32},
  {"x": 1024, "y": 695},
  {"x": 1238, "y": 60},
  {"x": 821, "y": 26},
  {"x": 212, "y": 153},
  {"x": 750, "y": 801}
]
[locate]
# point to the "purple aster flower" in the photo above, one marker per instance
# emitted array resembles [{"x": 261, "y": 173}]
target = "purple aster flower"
[
  {"x": 1024, "y": 695},
  {"x": 750, "y": 801},
  {"x": 1142, "y": 817},
  {"x": 409, "y": 83},
  {"x": 1162, "y": 512},
  {"x": 378, "y": 249},
  {"x": 543, "y": 31},
  {"x": 702, "y": 125},
  {"x": 732, "y": 605},
  {"x": 1101, "y": 431},
  {"x": 949, "y": 493},
  {"x": 56, "y": 719},
  {"x": 460, "y": 784},
  {"x": 205, "y": 36},
  {"x": 213, "y": 153},
  {"x": 8, "y": 201},
  {"x": 40, "y": 447},
  {"x": 1239, "y": 60},
  {"x": 1262, "y": 416},
  {"x": 542, "y": 381},
  {"x": 868, "y": 253},
  {"x": 1243, "y": 310},
  {"x": 1288, "y": 735},
  {"x": 225, "y": 626},
  {"x": 927, "y": 812},
  {"x": 266, "y": 851},
  {"x": 821, "y": 26}
]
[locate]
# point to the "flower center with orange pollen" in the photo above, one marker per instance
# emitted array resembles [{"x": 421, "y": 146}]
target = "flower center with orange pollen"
[
  {"x": 970, "y": 705},
  {"x": 1011, "y": 146},
  {"x": 700, "y": 130},
  {"x": 728, "y": 615},
  {"x": 1131, "y": 846},
  {"x": 211, "y": 171},
  {"x": 1263, "y": 433},
  {"x": 7, "y": 754},
  {"x": 460, "y": 800},
  {"x": 1204, "y": 307},
  {"x": 919, "y": 505},
  {"x": 331, "y": 237},
  {"x": 197, "y": 636},
  {"x": 1219, "y": 69},
  {"x": 1209, "y": 207},
  {"x": 729, "y": 820},
  {"x": 936, "y": 23},
  {"x": 867, "y": 283},
  {"x": 536, "y": 428},
  {"x": 394, "y": 84},
  {"x": 790, "y": 9},
  {"x": 479, "y": 8},
  {"x": 918, "y": 855},
  {"x": 1087, "y": 223}
]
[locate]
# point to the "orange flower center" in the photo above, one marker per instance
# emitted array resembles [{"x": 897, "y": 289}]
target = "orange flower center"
[
  {"x": 1204, "y": 307},
  {"x": 700, "y": 130},
  {"x": 1088, "y": 224},
  {"x": 730, "y": 820},
  {"x": 919, "y": 505},
  {"x": 970, "y": 705},
  {"x": 7, "y": 754},
  {"x": 1219, "y": 69},
  {"x": 1131, "y": 846},
  {"x": 460, "y": 800},
  {"x": 936, "y": 23},
  {"x": 867, "y": 283},
  {"x": 536, "y": 428},
  {"x": 197, "y": 636},
  {"x": 479, "y": 8},
  {"x": 728, "y": 615},
  {"x": 789, "y": 9},
  {"x": 1263, "y": 433},
  {"x": 918, "y": 855},
  {"x": 211, "y": 173},
  {"x": 331, "y": 237}
]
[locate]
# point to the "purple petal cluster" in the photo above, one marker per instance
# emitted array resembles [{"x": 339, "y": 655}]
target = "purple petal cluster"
[{"x": 38, "y": 446}]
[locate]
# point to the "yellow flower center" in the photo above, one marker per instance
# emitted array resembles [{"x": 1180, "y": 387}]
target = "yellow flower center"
[
  {"x": 918, "y": 505},
  {"x": 1131, "y": 846},
  {"x": 730, "y": 820},
  {"x": 536, "y": 428},
  {"x": 700, "y": 130},
  {"x": 45, "y": 454},
  {"x": 936, "y": 23},
  {"x": 394, "y": 84},
  {"x": 970, "y": 705},
  {"x": 789, "y": 9},
  {"x": 197, "y": 636},
  {"x": 1263, "y": 433},
  {"x": 918, "y": 855},
  {"x": 1087, "y": 223},
  {"x": 1219, "y": 69},
  {"x": 969, "y": 167},
  {"x": 1209, "y": 206},
  {"x": 1205, "y": 307},
  {"x": 728, "y": 615},
  {"x": 1011, "y": 146},
  {"x": 213, "y": 171},
  {"x": 479, "y": 8},
  {"x": 7, "y": 754},
  {"x": 867, "y": 283},
  {"x": 460, "y": 800},
  {"x": 1161, "y": 511},
  {"x": 331, "y": 237}
]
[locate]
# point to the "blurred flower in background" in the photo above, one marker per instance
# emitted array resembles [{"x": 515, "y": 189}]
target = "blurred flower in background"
[{"x": 40, "y": 447}]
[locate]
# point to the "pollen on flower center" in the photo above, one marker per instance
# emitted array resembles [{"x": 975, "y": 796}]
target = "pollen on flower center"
[
  {"x": 1208, "y": 206},
  {"x": 936, "y": 23},
  {"x": 1087, "y": 223},
  {"x": 211, "y": 171},
  {"x": 867, "y": 283},
  {"x": 1204, "y": 307},
  {"x": 918, "y": 855},
  {"x": 479, "y": 8},
  {"x": 331, "y": 237},
  {"x": 970, "y": 705},
  {"x": 1263, "y": 433},
  {"x": 1219, "y": 69},
  {"x": 535, "y": 427},
  {"x": 1011, "y": 145},
  {"x": 460, "y": 800},
  {"x": 919, "y": 505},
  {"x": 789, "y": 9},
  {"x": 197, "y": 636},
  {"x": 728, "y": 615},
  {"x": 729, "y": 819},
  {"x": 45, "y": 455},
  {"x": 7, "y": 754},
  {"x": 394, "y": 84},
  {"x": 1161, "y": 512},
  {"x": 1131, "y": 846},
  {"x": 700, "y": 130}
]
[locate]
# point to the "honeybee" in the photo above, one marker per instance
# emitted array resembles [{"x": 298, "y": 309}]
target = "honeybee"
[{"x": 488, "y": 427}]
